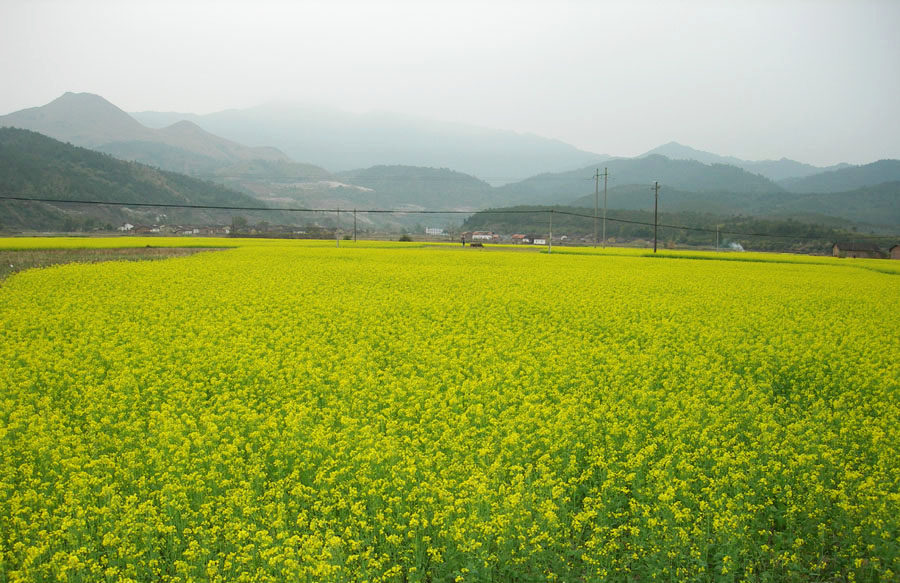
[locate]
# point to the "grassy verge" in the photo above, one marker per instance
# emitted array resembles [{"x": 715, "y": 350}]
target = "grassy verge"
[{"x": 14, "y": 261}]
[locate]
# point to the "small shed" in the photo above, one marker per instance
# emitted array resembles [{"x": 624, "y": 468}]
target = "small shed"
[{"x": 857, "y": 250}]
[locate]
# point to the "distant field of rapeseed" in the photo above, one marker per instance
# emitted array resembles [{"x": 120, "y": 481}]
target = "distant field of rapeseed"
[{"x": 299, "y": 412}]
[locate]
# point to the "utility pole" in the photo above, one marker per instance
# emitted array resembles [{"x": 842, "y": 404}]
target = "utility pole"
[
  {"x": 605, "y": 177},
  {"x": 354, "y": 225},
  {"x": 717, "y": 238},
  {"x": 597, "y": 176},
  {"x": 655, "y": 212},
  {"x": 337, "y": 229},
  {"x": 596, "y": 202},
  {"x": 550, "y": 238}
]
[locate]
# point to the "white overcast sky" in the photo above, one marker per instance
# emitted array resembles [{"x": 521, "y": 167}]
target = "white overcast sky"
[{"x": 817, "y": 81}]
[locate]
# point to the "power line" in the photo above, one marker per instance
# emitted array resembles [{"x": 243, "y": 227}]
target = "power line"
[{"x": 422, "y": 212}]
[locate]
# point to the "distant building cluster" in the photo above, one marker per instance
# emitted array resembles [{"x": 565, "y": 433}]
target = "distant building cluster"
[
  {"x": 516, "y": 238},
  {"x": 208, "y": 230}
]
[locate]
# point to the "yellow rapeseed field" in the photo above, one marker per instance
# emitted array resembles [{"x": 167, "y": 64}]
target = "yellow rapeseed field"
[{"x": 301, "y": 412}]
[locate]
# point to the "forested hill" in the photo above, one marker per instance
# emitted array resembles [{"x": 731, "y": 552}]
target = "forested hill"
[
  {"x": 688, "y": 175},
  {"x": 35, "y": 166},
  {"x": 874, "y": 205},
  {"x": 847, "y": 179}
]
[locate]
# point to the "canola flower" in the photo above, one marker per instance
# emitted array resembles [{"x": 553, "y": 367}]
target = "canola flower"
[{"x": 298, "y": 412}]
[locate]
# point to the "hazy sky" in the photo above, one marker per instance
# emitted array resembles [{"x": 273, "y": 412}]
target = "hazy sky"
[{"x": 816, "y": 81}]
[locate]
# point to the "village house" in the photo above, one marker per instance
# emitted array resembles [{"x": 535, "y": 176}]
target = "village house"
[
  {"x": 857, "y": 250},
  {"x": 485, "y": 236},
  {"x": 518, "y": 238},
  {"x": 895, "y": 251}
]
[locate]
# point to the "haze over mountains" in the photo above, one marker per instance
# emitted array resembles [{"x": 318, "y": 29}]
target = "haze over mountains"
[
  {"x": 342, "y": 141},
  {"x": 93, "y": 122},
  {"x": 772, "y": 169},
  {"x": 329, "y": 159}
]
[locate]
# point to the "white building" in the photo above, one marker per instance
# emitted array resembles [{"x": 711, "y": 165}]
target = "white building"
[{"x": 485, "y": 236}]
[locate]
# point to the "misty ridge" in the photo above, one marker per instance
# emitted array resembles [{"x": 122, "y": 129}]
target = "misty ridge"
[{"x": 281, "y": 156}]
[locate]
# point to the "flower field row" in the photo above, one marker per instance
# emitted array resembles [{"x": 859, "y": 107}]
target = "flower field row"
[{"x": 300, "y": 412}]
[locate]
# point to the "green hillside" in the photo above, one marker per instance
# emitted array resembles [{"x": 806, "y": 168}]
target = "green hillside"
[
  {"x": 640, "y": 197},
  {"x": 846, "y": 179},
  {"x": 876, "y": 205},
  {"x": 35, "y": 166},
  {"x": 685, "y": 175},
  {"x": 162, "y": 156}
]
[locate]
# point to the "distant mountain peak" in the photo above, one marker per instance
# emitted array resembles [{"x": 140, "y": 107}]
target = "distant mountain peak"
[
  {"x": 89, "y": 120},
  {"x": 781, "y": 169},
  {"x": 82, "y": 96},
  {"x": 81, "y": 118},
  {"x": 186, "y": 127},
  {"x": 86, "y": 103},
  {"x": 186, "y": 124}
]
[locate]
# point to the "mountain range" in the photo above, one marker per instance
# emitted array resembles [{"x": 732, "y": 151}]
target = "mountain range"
[
  {"x": 434, "y": 157},
  {"x": 87, "y": 120},
  {"x": 341, "y": 141},
  {"x": 772, "y": 169}
]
